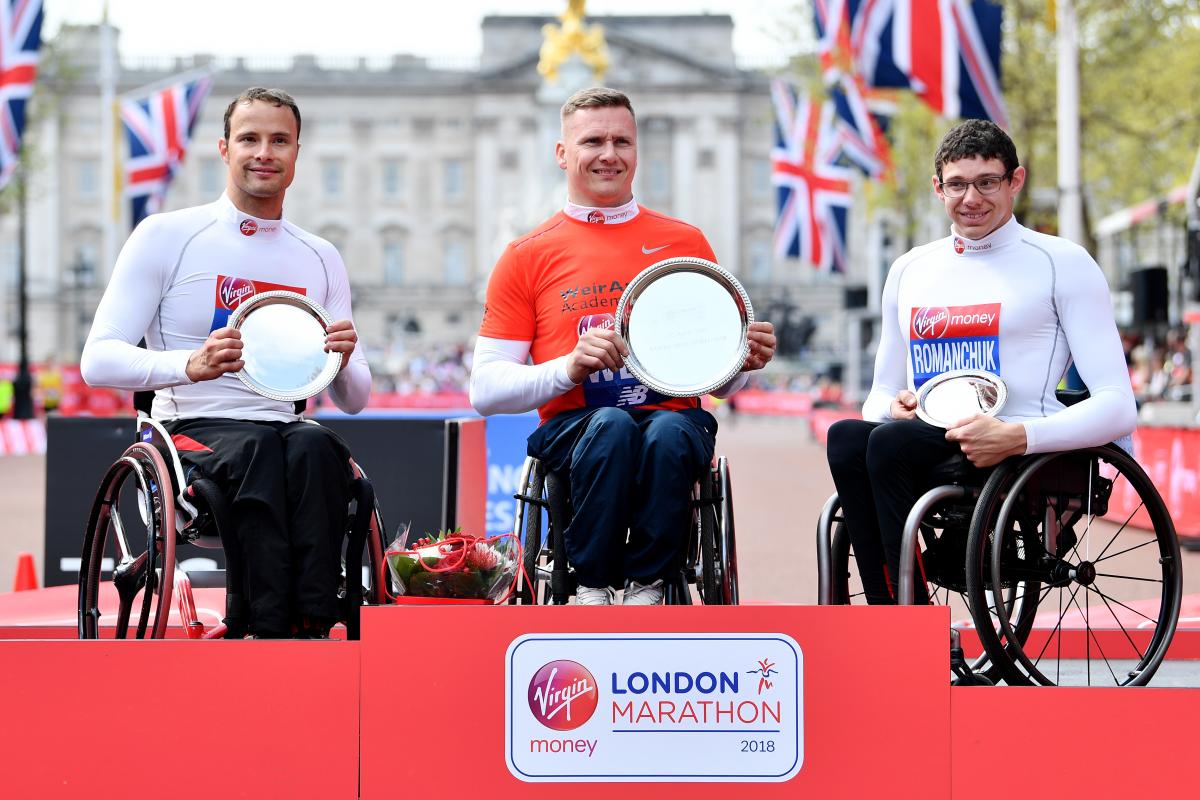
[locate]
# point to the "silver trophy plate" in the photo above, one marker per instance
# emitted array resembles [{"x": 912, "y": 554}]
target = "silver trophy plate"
[
  {"x": 685, "y": 321},
  {"x": 959, "y": 394},
  {"x": 283, "y": 345}
]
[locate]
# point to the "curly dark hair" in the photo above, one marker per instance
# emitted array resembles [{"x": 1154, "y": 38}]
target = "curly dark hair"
[{"x": 976, "y": 138}]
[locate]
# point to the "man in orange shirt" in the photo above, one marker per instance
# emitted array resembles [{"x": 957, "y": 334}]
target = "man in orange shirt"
[{"x": 632, "y": 454}]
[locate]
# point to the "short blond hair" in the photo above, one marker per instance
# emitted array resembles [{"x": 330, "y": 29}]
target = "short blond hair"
[{"x": 596, "y": 97}]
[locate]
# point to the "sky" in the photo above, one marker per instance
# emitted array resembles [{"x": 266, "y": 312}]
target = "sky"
[{"x": 447, "y": 30}]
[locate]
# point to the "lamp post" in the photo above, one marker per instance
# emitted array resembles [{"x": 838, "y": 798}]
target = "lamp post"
[{"x": 23, "y": 383}]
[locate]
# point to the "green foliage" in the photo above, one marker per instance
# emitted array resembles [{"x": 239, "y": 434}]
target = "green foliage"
[{"x": 1139, "y": 107}]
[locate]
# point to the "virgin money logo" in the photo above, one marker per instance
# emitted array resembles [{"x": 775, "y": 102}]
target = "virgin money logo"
[
  {"x": 248, "y": 227},
  {"x": 930, "y": 322},
  {"x": 959, "y": 245},
  {"x": 605, "y": 322},
  {"x": 234, "y": 290},
  {"x": 596, "y": 216},
  {"x": 563, "y": 695}
]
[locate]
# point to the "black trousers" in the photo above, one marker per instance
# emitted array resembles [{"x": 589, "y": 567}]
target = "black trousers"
[
  {"x": 288, "y": 487},
  {"x": 880, "y": 469}
]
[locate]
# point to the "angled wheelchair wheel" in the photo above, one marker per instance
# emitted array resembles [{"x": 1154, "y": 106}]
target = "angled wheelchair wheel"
[
  {"x": 528, "y": 525},
  {"x": 941, "y": 566},
  {"x": 1108, "y": 584},
  {"x": 717, "y": 577},
  {"x": 847, "y": 588},
  {"x": 130, "y": 534}
]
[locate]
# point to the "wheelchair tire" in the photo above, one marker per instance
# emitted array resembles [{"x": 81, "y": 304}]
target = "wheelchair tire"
[
  {"x": 1063, "y": 498},
  {"x": 148, "y": 572},
  {"x": 728, "y": 537},
  {"x": 717, "y": 580},
  {"x": 707, "y": 529},
  {"x": 382, "y": 587},
  {"x": 847, "y": 590},
  {"x": 531, "y": 541}
]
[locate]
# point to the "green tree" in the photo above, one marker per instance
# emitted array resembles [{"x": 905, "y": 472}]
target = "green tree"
[{"x": 1139, "y": 107}]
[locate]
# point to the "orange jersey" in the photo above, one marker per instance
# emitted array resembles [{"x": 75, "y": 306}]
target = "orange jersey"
[{"x": 567, "y": 276}]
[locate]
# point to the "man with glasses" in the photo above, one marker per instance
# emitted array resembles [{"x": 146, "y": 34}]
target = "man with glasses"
[{"x": 992, "y": 296}]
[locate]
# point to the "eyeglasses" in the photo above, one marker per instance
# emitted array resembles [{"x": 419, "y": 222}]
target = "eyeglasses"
[{"x": 988, "y": 184}]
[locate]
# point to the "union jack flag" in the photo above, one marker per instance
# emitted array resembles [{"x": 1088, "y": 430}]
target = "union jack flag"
[
  {"x": 20, "y": 41},
  {"x": 860, "y": 129},
  {"x": 813, "y": 190},
  {"x": 158, "y": 128},
  {"x": 833, "y": 38},
  {"x": 861, "y": 122},
  {"x": 947, "y": 51}
]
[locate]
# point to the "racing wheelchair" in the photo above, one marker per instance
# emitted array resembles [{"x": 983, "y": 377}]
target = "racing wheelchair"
[
  {"x": 1061, "y": 587},
  {"x": 708, "y": 561},
  {"x": 149, "y": 479}
]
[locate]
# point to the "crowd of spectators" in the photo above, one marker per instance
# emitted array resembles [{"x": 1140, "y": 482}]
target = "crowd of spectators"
[
  {"x": 1159, "y": 368},
  {"x": 408, "y": 368}
]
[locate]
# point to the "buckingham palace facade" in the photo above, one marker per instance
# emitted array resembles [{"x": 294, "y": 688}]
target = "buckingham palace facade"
[{"x": 419, "y": 172}]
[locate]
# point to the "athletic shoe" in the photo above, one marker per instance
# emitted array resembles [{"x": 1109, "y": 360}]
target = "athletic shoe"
[
  {"x": 640, "y": 594},
  {"x": 587, "y": 596}
]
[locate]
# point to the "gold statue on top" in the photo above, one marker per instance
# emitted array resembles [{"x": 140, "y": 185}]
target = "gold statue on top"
[{"x": 572, "y": 36}]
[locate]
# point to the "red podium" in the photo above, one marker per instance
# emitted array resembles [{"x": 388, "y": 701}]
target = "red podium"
[{"x": 432, "y": 701}]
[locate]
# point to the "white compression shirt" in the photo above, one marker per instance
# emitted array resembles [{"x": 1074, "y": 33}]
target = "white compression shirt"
[
  {"x": 176, "y": 280},
  {"x": 1016, "y": 303},
  {"x": 502, "y": 383}
]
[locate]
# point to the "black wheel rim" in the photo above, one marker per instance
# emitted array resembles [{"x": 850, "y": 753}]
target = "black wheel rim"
[{"x": 1093, "y": 566}]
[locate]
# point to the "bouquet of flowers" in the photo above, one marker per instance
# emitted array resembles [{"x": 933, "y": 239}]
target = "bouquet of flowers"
[{"x": 453, "y": 565}]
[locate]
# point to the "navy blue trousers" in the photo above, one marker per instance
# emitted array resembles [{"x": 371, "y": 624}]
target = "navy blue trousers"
[{"x": 630, "y": 470}]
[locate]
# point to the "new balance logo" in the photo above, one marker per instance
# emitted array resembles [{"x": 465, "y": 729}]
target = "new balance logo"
[
  {"x": 633, "y": 395},
  {"x": 649, "y": 250}
]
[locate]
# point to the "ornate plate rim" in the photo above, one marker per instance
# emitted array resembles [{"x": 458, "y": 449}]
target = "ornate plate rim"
[
  {"x": 333, "y": 363},
  {"x": 684, "y": 264},
  {"x": 990, "y": 377}
]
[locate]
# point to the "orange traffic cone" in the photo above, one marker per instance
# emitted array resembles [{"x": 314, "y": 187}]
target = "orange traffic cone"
[{"x": 26, "y": 574}]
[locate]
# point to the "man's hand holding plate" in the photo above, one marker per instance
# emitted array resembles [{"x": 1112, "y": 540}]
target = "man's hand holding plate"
[
  {"x": 340, "y": 337},
  {"x": 597, "y": 349},
  {"x": 220, "y": 353},
  {"x": 761, "y": 337},
  {"x": 986, "y": 441},
  {"x": 904, "y": 405}
]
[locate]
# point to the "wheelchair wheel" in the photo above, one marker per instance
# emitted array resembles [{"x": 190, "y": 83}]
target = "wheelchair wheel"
[
  {"x": 1110, "y": 592},
  {"x": 847, "y": 588},
  {"x": 717, "y": 579},
  {"x": 135, "y": 491},
  {"x": 529, "y": 523}
]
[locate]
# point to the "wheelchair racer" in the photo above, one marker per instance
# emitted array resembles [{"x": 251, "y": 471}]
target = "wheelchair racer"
[
  {"x": 995, "y": 296},
  {"x": 176, "y": 280},
  {"x": 632, "y": 454}
]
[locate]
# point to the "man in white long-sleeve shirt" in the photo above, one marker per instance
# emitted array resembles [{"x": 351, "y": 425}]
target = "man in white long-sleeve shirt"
[
  {"x": 992, "y": 296},
  {"x": 631, "y": 453},
  {"x": 175, "y": 283}
]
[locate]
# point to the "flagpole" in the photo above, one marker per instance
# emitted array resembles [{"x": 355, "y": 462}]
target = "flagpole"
[
  {"x": 108, "y": 124},
  {"x": 23, "y": 382},
  {"x": 1070, "y": 199}
]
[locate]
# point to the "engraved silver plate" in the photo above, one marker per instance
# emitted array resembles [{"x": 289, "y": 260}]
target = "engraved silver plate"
[
  {"x": 959, "y": 394},
  {"x": 283, "y": 345},
  {"x": 685, "y": 321}
]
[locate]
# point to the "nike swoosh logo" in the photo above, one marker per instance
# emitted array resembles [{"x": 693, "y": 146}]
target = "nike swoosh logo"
[{"x": 649, "y": 250}]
